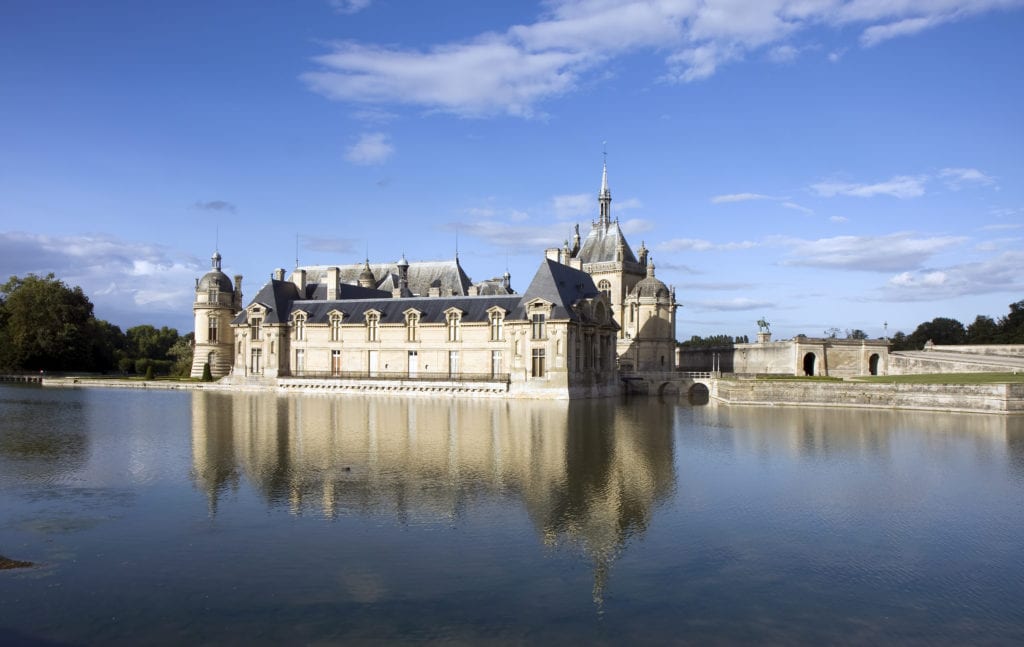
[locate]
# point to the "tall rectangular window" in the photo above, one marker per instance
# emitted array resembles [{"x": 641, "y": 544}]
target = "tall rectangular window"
[
  {"x": 335, "y": 362},
  {"x": 257, "y": 328},
  {"x": 538, "y": 329},
  {"x": 497, "y": 327},
  {"x": 211, "y": 331},
  {"x": 256, "y": 365},
  {"x": 538, "y": 363},
  {"x": 300, "y": 328},
  {"x": 412, "y": 323},
  {"x": 453, "y": 327},
  {"x": 335, "y": 328},
  {"x": 371, "y": 327},
  {"x": 495, "y": 363},
  {"x": 453, "y": 363},
  {"x": 300, "y": 361}
]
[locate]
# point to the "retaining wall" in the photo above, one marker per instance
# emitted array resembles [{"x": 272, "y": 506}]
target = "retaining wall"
[{"x": 980, "y": 398}]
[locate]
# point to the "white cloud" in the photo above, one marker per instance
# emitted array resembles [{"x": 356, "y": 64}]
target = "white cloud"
[
  {"x": 350, "y": 6},
  {"x": 636, "y": 226},
  {"x": 371, "y": 149},
  {"x": 897, "y": 252},
  {"x": 839, "y": 219},
  {"x": 699, "y": 245},
  {"x": 515, "y": 237},
  {"x": 836, "y": 55},
  {"x": 958, "y": 178},
  {"x": 740, "y": 197},
  {"x": 1003, "y": 226},
  {"x": 783, "y": 54},
  {"x": 731, "y": 305},
  {"x": 511, "y": 71},
  {"x": 900, "y": 186},
  {"x": 1003, "y": 273},
  {"x": 150, "y": 281},
  {"x": 215, "y": 205},
  {"x": 797, "y": 207},
  {"x": 573, "y": 205}
]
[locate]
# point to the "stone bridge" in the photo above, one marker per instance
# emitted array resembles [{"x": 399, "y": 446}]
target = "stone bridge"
[{"x": 691, "y": 383}]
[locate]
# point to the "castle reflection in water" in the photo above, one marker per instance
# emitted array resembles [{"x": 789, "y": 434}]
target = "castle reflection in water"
[{"x": 589, "y": 473}]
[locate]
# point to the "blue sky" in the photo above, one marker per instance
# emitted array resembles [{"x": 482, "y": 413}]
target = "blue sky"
[{"x": 821, "y": 163}]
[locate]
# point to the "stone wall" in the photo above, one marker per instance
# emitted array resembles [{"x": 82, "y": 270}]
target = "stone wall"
[
  {"x": 985, "y": 398},
  {"x": 1007, "y": 350}
]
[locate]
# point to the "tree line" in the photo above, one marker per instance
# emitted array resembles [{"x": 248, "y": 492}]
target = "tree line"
[
  {"x": 1008, "y": 329},
  {"x": 45, "y": 325}
]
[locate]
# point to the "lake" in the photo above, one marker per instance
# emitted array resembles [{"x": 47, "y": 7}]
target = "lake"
[{"x": 177, "y": 517}]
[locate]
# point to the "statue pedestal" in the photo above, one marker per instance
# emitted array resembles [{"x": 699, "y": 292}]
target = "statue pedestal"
[{"x": 764, "y": 337}]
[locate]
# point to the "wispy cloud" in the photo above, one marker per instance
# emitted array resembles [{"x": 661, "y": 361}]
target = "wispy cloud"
[
  {"x": 700, "y": 245},
  {"x": 1002, "y": 273},
  {"x": 797, "y": 207},
  {"x": 350, "y": 6},
  {"x": 511, "y": 71},
  {"x": 333, "y": 245},
  {"x": 137, "y": 281},
  {"x": 901, "y": 186},
  {"x": 370, "y": 150},
  {"x": 740, "y": 197},
  {"x": 958, "y": 178},
  {"x": 566, "y": 207},
  {"x": 215, "y": 205},
  {"x": 636, "y": 226},
  {"x": 897, "y": 252},
  {"x": 732, "y": 305}
]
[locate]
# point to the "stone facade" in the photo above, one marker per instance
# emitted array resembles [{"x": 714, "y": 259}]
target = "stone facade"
[
  {"x": 217, "y": 302},
  {"x": 798, "y": 356}
]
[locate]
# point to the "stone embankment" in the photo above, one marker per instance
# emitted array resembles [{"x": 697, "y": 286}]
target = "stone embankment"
[
  {"x": 115, "y": 383},
  {"x": 975, "y": 398},
  {"x": 956, "y": 359}
]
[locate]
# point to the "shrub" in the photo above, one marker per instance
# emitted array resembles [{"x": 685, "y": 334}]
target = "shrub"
[{"x": 207, "y": 375}]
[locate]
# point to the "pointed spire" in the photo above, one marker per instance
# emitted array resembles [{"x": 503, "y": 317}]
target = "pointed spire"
[{"x": 605, "y": 197}]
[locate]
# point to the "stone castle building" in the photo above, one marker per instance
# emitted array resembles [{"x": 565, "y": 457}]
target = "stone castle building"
[{"x": 590, "y": 309}]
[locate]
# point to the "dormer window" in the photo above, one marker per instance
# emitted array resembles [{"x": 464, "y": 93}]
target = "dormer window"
[
  {"x": 539, "y": 326},
  {"x": 606, "y": 289},
  {"x": 454, "y": 319},
  {"x": 336, "y": 326},
  {"x": 299, "y": 326},
  {"x": 256, "y": 326},
  {"x": 212, "y": 295},
  {"x": 412, "y": 325},
  {"x": 372, "y": 326},
  {"x": 497, "y": 319}
]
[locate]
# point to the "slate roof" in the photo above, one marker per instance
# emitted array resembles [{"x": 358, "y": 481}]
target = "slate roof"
[
  {"x": 422, "y": 274},
  {"x": 277, "y": 297},
  {"x": 559, "y": 284},
  {"x": 602, "y": 245},
  {"x": 563, "y": 286}
]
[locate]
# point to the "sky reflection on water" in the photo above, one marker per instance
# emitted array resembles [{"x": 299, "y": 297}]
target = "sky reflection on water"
[{"x": 209, "y": 517}]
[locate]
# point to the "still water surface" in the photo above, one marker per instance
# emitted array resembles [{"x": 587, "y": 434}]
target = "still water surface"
[{"x": 208, "y": 518}]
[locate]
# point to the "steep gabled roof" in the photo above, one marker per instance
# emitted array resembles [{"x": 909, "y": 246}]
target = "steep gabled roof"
[
  {"x": 561, "y": 285},
  {"x": 277, "y": 297},
  {"x": 602, "y": 245}
]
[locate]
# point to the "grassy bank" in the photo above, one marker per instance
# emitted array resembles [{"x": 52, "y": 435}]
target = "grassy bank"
[{"x": 946, "y": 378}]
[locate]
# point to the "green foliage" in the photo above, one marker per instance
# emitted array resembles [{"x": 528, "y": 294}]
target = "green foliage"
[
  {"x": 149, "y": 372},
  {"x": 984, "y": 330},
  {"x": 715, "y": 341},
  {"x": 941, "y": 330},
  {"x": 207, "y": 375},
  {"x": 46, "y": 325},
  {"x": 1011, "y": 327},
  {"x": 147, "y": 341},
  {"x": 856, "y": 333},
  {"x": 181, "y": 351}
]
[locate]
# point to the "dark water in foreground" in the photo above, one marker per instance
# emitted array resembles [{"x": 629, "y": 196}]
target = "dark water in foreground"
[{"x": 198, "y": 518}]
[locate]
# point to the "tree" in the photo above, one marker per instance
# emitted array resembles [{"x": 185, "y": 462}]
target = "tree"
[
  {"x": 983, "y": 331},
  {"x": 181, "y": 351},
  {"x": 1011, "y": 327},
  {"x": 856, "y": 333},
  {"x": 900, "y": 341},
  {"x": 941, "y": 331},
  {"x": 46, "y": 325}
]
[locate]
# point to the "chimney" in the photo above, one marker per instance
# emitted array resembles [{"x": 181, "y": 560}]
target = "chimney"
[
  {"x": 279, "y": 274},
  {"x": 299, "y": 278},
  {"x": 333, "y": 277},
  {"x": 238, "y": 292}
]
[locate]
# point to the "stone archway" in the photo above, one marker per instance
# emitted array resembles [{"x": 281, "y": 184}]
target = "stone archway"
[
  {"x": 810, "y": 359},
  {"x": 698, "y": 394},
  {"x": 668, "y": 388},
  {"x": 873, "y": 364}
]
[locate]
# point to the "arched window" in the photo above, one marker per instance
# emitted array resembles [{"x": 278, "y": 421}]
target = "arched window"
[
  {"x": 497, "y": 326},
  {"x": 606, "y": 289},
  {"x": 454, "y": 323},
  {"x": 412, "y": 323},
  {"x": 372, "y": 324},
  {"x": 335, "y": 327},
  {"x": 299, "y": 326}
]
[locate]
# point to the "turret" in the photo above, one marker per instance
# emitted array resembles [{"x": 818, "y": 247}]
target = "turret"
[{"x": 216, "y": 303}]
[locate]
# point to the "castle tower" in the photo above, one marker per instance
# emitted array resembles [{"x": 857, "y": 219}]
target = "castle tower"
[
  {"x": 217, "y": 302},
  {"x": 650, "y": 325},
  {"x": 607, "y": 257}
]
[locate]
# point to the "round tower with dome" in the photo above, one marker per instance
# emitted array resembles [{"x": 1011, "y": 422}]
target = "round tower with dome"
[
  {"x": 217, "y": 302},
  {"x": 650, "y": 326}
]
